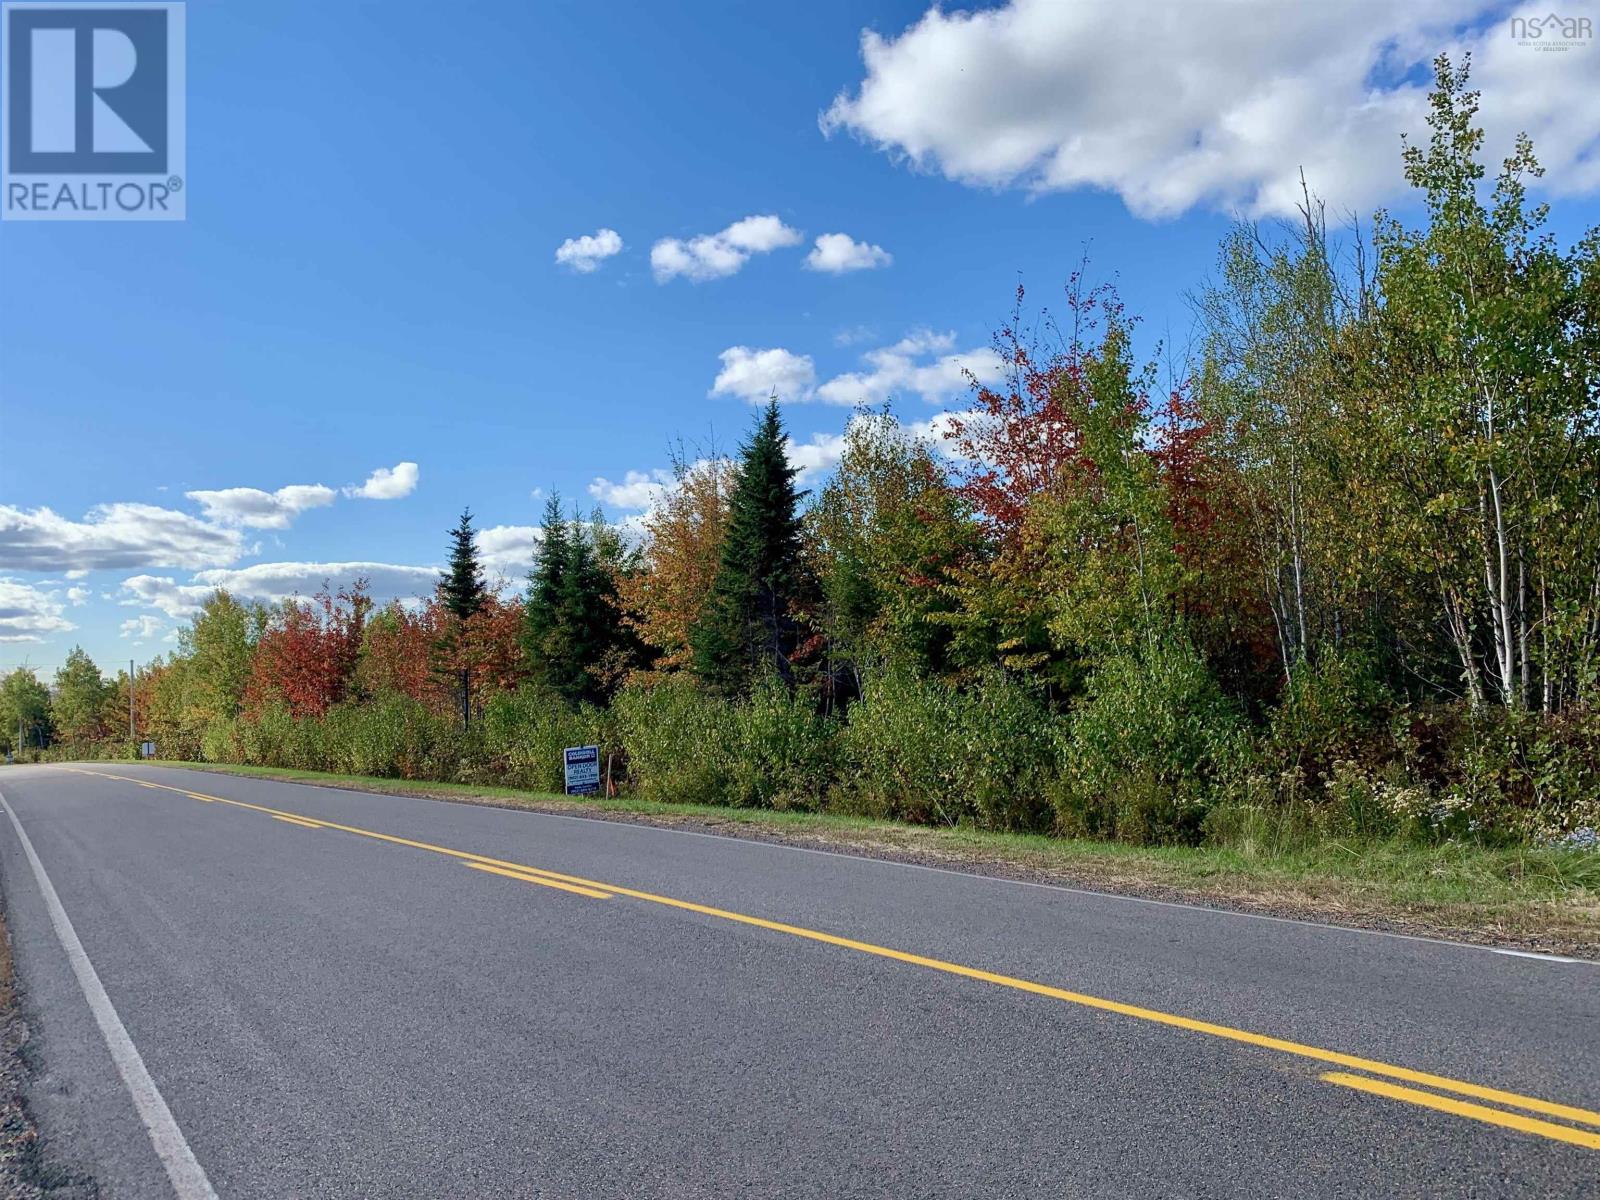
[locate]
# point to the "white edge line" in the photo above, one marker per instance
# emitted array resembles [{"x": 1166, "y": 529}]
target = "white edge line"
[
  {"x": 188, "y": 1178},
  {"x": 1555, "y": 958},
  {"x": 1068, "y": 889}
]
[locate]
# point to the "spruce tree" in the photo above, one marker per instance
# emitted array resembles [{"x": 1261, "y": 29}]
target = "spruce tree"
[
  {"x": 462, "y": 592},
  {"x": 462, "y": 588},
  {"x": 748, "y": 625},
  {"x": 573, "y": 631},
  {"x": 541, "y": 618}
]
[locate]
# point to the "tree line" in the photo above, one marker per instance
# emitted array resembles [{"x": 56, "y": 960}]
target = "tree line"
[{"x": 1343, "y": 572}]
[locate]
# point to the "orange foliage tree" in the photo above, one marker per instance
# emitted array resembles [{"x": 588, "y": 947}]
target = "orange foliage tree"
[{"x": 683, "y": 545}]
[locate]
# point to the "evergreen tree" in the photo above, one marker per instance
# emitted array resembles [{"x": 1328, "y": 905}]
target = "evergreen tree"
[
  {"x": 462, "y": 592},
  {"x": 573, "y": 631},
  {"x": 544, "y": 589},
  {"x": 462, "y": 586},
  {"x": 748, "y": 625}
]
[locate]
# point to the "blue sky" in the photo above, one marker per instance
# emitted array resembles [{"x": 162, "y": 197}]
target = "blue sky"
[{"x": 368, "y": 276}]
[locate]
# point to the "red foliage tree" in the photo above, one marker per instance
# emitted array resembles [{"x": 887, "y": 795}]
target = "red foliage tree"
[
  {"x": 491, "y": 644},
  {"x": 306, "y": 657},
  {"x": 397, "y": 654},
  {"x": 425, "y": 651},
  {"x": 1024, "y": 437}
]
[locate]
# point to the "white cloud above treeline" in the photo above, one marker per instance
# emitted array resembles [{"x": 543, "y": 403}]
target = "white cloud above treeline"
[
  {"x": 837, "y": 253},
  {"x": 273, "y": 582},
  {"x": 177, "y": 600},
  {"x": 637, "y": 491},
  {"x": 29, "y": 613},
  {"x": 132, "y": 536},
  {"x": 1213, "y": 103},
  {"x": 508, "y": 550},
  {"x": 717, "y": 255},
  {"x": 922, "y": 365},
  {"x": 813, "y": 458},
  {"x": 585, "y": 254},
  {"x": 253, "y": 508},
  {"x": 387, "y": 483},
  {"x": 141, "y": 628},
  {"x": 119, "y": 536},
  {"x": 755, "y": 374}
]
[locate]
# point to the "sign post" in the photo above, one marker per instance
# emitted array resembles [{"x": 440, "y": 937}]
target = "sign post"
[{"x": 583, "y": 770}]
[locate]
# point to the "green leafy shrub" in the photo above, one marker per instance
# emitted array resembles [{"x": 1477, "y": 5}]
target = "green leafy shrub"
[
  {"x": 1509, "y": 775},
  {"x": 919, "y": 750},
  {"x": 902, "y": 760},
  {"x": 1149, "y": 749},
  {"x": 219, "y": 741},
  {"x": 524, "y": 734},
  {"x": 1333, "y": 710},
  {"x": 780, "y": 752},
  {"x": 676, "y": 738},
  {"x": 376, "y": 738}
]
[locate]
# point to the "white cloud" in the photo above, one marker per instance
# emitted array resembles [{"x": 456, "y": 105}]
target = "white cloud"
[
  {"x": 585, "y": 254},
  {"x": 638, "y": 490},
  {"x": 1216, "y": 104},
  {"x": 815, "y": 458},
  {"x": 923, "y": 341},
  {"x": 920, "y": 364},
  {"x": 77, "y": 596},
  {"x": 115, "y": 536},
  {"x": 253, "y": 508},
  {"x": 508, "y": 549},
  {"x": 281, "y": 580},
  {"x": 936, "y": 430},
  {"x": 177, "y": 600},
  {"x": 818, "y": 457},
  {"x": 273, "y": 582},
  {"x": 715, "y": 255},
  {"x": 387, "y": 483},
  {"x": 28, "y": 613},
  {"x": 837, "y": 253},
  {"x": 141, "y": 628},
  {"x": 754, "y": 375}
]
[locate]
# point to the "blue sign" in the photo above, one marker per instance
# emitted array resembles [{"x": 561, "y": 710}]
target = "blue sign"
[{"x": 583, "y": 770}]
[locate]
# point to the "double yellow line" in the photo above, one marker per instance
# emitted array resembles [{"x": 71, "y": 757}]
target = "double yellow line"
[{"x": 1558, "y": 1122}]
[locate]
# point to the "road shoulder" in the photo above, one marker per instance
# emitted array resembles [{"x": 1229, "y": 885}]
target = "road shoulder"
[{"x": 26, "y": 1169}]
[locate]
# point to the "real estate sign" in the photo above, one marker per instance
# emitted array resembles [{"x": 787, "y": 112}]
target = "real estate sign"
[{"x": 583, "y": 770}]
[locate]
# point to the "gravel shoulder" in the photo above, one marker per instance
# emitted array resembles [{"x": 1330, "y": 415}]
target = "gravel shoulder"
[{"x": 25, "y": 1170}]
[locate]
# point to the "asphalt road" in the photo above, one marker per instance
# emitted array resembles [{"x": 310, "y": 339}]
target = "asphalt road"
[{"x": 379, "y": 1010}]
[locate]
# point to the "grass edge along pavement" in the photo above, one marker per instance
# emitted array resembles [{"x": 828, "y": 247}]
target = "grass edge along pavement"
[{"x": 1542, "y": 899}]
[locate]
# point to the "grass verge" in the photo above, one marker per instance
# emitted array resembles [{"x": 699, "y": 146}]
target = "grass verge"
[{"x": 1538, "y": 899}]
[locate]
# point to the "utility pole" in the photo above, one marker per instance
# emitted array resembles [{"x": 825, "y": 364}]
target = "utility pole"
[{"x": 132, "y": 736}]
